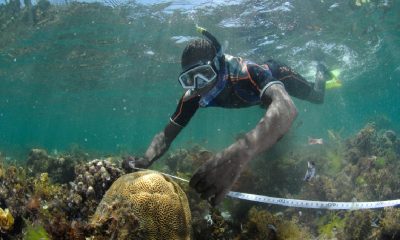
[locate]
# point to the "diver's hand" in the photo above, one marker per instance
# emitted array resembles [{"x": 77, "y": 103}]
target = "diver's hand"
[
  {"x": 215, "y": 177},
  {"x": 129, "y": 163}
]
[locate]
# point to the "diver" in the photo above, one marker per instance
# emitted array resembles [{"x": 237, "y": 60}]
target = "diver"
[{"x": 212, "y": 78}]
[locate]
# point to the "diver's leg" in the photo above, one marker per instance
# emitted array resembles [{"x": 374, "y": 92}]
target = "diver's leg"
[
  {"x": 317, "y": 95},
  {"x": 298, "y": 86},
  {"x": 295, "y": 84}
]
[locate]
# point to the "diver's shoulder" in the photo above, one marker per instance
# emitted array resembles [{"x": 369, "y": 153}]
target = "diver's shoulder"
[
  {"x": 232, "y": 58},
  {"x": 237, "y": 61}
]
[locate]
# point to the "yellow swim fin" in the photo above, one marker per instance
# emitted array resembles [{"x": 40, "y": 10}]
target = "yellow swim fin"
[
  {"x": 334, "y": 82},
  {"x": 200, "y": 29}
]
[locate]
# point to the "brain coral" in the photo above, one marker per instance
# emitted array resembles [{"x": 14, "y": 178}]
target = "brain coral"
[{"x": 145, "y": 205}]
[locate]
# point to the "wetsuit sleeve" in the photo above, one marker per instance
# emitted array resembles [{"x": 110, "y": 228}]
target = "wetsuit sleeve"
[
  {"x": 185, "y": 110},
  {"x": 262, "y": 77}
]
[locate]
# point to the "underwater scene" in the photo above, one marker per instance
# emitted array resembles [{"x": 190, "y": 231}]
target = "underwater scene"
[{"x": 92, "y": 93}]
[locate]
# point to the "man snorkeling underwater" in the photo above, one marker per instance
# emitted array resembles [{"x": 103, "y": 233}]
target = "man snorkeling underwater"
[{"x": 214, "y": 79}]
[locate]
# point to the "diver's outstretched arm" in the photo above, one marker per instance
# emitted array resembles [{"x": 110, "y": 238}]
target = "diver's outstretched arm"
[
  {"x": 215, "y": 178},
  {"x": 159, "y": 145}
]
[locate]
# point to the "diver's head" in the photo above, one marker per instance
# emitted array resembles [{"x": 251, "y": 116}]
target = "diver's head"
[
  {"x": 198, "y": 50},
  {"x": 198, "y": 65}
]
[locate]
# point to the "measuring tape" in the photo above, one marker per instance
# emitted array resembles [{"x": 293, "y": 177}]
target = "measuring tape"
[
  {"x": 287, "y": 202},
  {"x": 313, "y": 204}
]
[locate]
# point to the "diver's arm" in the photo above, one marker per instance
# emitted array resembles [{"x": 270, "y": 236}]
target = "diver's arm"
[
  {"x": 185, "y": 110},
  {"x": 275, "y": 123},
  {"x": 215, "y": 178},
  {"x": 161, "y": 142}
]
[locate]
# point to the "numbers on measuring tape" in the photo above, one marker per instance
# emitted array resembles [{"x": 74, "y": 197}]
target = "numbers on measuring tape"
[{"x": 282, "y": 201}]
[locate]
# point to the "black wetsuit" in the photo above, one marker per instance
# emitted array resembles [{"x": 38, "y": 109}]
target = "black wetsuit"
[{"x": 245, "y": 81}]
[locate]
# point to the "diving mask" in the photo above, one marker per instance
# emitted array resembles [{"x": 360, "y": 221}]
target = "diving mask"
[{"x": 198, "y": 76}]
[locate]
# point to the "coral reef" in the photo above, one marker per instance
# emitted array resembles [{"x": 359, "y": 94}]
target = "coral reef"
[
  {"x": 97, "y": 201},
  {"x": 358, "y": 224},
  {"x": 390, "y": 224},
  {"x": 92, "y": 179},
  {"x": 156, "y": 207},
  {"x": 187, "y": 160},
  {"x": 264, "y": 225},
  {"x": 13, "y": 189},
  {"x": 365, "y": 140},
  {"x": 367, "y": 174},
  {"x": 62, "y": 209},
  {"x": 60, "y": 166}
]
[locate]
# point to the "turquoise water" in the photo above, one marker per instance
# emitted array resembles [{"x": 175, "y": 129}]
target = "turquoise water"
[{"x": 104, "y": 76}]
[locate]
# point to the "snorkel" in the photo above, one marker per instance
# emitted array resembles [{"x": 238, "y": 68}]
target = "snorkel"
[
  {"x": 219, "y": 62},
  {"x": 216, "y": 44}
]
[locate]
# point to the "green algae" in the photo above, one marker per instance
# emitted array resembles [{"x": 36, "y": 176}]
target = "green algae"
[
  {"x": 360, "y": 181},
  {"x": 36, "y": 233},
  {"x": 380, "y": 162},
  {"x": 333, "y": 224},
  {"x": 334, "y": 162}
]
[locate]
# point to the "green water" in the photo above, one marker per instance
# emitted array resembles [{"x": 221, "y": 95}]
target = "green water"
[{"x": 104, "y": 77}]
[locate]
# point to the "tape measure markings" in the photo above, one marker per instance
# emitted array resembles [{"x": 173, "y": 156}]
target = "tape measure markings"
[{"x": 313, "y": 204}]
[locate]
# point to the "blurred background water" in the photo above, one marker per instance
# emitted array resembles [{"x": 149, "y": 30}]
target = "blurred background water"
[{"x": 103, "y": 75}]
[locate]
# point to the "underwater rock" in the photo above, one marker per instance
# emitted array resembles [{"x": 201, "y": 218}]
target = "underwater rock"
[
  {"x": 391, "y": 135},
  {"x": 352, "y": 155},
  {"x": 187, "y": 160},
  {"x": 13, "y": 189},
  {"x": 264, "y": 225},
  {"x": 365, "y": 140},
  {"x": 390, "y": 224},
  {"x": 61, "y": 167},
  {"x": 143, "y": 205},
  {"x": 6, "y": 220},
  {"x": 358, "y": 224},
  {"x": 33, "y": 204},
  {"x": 38, "y": 155},
  {"x": 1, "y": 172}
]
